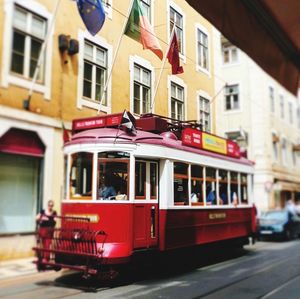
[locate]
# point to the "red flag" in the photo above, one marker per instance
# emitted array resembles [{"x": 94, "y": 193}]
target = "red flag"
[{"x": 173, "y": 56}]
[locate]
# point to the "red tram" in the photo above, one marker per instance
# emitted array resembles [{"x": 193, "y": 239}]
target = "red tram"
[{"x": 168, "y": 186}]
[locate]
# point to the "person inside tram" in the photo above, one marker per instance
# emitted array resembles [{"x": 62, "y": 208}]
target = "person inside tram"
[
  {"x": 223, "y": 195},
  {"x": 211, "y": 196},
  {"x": 195, "y": 196},
  {"x": 106, "y": 190}
]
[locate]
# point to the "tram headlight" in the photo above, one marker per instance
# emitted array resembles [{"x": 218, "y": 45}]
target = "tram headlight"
[{"x": 76, "y": 236}]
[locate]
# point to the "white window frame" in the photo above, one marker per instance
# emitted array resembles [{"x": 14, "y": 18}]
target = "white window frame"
[
  {"x": 203, "y": 94},
  {"x": 10, "y": 78},
  {"x": 275, "y": 146},
  {"x": 281, "y": 107},
  {"x": 108, "y": 8},
  {"x": 180, "y": 82},
  {"x": 284, "y": 151},
  {"x": 199, "y": 68},
  {"x": 230, "y": 111},
  {"x": 272, "y": 100},
  {"x": 291, "y": 114},
  {"x": 147, "y": 65},
  {"x": 101, "y": 42},
  {"x": 180, "y": 11},
  {"x": 230, "y": 48}
]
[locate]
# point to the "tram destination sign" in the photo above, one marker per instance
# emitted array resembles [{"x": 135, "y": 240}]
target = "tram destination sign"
[
  {"x": 111, "y": 120},
  {"x": 209, "y": 142}
]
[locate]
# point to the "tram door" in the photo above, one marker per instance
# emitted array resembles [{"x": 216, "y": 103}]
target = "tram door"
[{"x": 145, "y": 230}]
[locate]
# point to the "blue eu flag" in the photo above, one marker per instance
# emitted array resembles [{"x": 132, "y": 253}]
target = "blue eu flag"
[{"x": 92, "y": 14}]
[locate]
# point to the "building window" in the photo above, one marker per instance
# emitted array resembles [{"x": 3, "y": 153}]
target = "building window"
[
  {"x": 272, "y": 99},
  {"x": 176, "y": 19},
  {"x": 294, "y": 156},
  {"x": 229, "y": 54},
  {"x": 275, "y": 147},
  {"x": 202, "y": 48},
  {"x": 29, "y": 31},
  {"x": 177, "y": 101},
  {"x": 95, "y": 72},
  {"x": 281, "y": 101},
  {"x": 204, "y": 111},
  {"x": 232, "y": 101},
  {"x": 291, "y": 119},
  {"x": 141, "y": 90},
  {"x": 146, "y": 5},
  {"x": 284, "y": 152}
]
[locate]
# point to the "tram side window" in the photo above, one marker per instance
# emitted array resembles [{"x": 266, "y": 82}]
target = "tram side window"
[
  {"x": 181, "y": 183},
  {"x": 223, "y": 187},
  {"x": 140, "y": 180},
  {"x": 113, "y": 176},
  {"x": 196, "y": 185},
  {"x": 81, "y": 175},
  {"x": 244, "y": 189},
  {"x": 211, "y": 197},
  {"x": 234, "y": 188}
]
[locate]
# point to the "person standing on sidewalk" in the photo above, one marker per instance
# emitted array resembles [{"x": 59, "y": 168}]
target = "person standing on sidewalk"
[{"x": 46, "y": 223}]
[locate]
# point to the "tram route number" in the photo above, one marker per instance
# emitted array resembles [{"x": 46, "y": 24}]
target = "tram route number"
[{"x": 213, "y": 216}]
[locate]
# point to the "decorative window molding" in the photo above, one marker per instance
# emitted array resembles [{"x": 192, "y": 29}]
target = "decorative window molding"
[
  {"x": 181, "y": 84},
  {"x": 232, "y": 98},
  {"x": 107, "y": 5},
  {"x": 36, "y": 12},
  {"x": 142, "y": 64},
  {"x": 202, "y": 49},
  {"x": 180, "y": 28},
  {"x": 96, "y": 42},
  {"x": 204, "y": 110}
]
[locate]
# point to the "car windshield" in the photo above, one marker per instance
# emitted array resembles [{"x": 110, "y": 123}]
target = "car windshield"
[{"x": 275, "y": 215}]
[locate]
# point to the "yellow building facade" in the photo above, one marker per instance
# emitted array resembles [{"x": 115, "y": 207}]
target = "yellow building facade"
[{"x": 70, "y": 83}]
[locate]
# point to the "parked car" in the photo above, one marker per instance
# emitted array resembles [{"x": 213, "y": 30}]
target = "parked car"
[{"x": 279, "y": 223}]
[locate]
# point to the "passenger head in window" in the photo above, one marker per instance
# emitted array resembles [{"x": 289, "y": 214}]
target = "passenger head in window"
[
  {"x": 211, "y": 196},
  {"x": 106, "y": 190},
  {"x": 223, "y": 194}
]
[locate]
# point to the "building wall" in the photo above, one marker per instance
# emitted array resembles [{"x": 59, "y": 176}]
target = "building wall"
[
  {"x": 274, "y": 180},
  {"x": 59, "y": 100}
]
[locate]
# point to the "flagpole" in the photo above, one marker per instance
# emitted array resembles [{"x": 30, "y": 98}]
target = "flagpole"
[
  {"x": 39, "y": 62},
  {"x": 115, "y": 56},
  {"x": 161, "y": 69}
]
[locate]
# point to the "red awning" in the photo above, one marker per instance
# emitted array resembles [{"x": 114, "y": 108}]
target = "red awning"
[
  {"x": 267, "y": 30},
  {"x": 16, "y": 141}
]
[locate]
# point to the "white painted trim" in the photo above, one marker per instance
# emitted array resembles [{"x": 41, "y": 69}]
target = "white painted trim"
[
  {"x": 33, "y": 118},
  {"x": 109, "y": 10},
  {"x": 240, "y": 110},
  {"x": 200, "y": 27},
  {"x": 172, "y": 4},
  {"x": 204, "y": 94},
  {"x": 100, "y": 41},
  {"x": 180, "y": 82},
  {"x": 47, "y": 136},
  {"x": 147, "y": 65},
  {"x": 9, "y": 78}
]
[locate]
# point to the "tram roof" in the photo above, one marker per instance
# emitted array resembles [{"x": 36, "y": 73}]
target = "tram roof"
[{"x": 166, "y": 139}]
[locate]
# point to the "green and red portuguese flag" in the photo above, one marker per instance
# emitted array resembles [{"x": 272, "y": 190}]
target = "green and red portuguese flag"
[{"x": 139, "y": 28}]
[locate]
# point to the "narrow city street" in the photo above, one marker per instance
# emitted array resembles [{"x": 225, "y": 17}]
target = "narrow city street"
[{"x": 265, "y": 270}]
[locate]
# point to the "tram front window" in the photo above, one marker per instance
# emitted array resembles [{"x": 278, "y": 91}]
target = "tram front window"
[
  {"x": 81, "y": 175},
  {"x": 113, "y": 176}
]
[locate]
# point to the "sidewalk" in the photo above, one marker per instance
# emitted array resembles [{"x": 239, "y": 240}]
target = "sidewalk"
[{"x": 18, "y": 267}]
